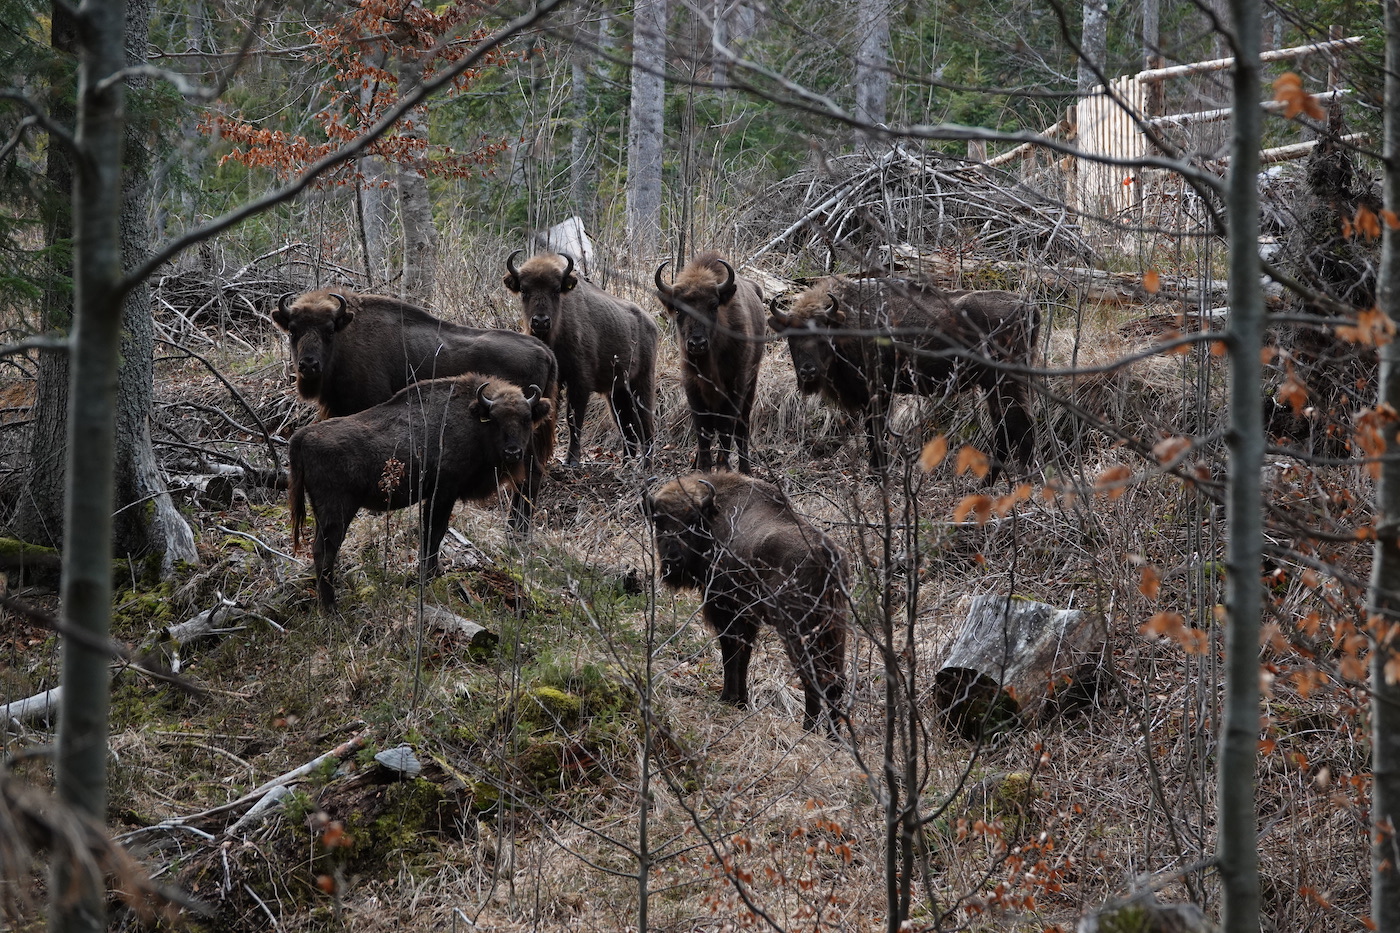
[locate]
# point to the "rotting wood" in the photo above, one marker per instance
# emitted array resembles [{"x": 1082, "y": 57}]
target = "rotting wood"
[
  {"x": 480, "y": 638},
  {"x": 41, "y": 705},
  {"x": 1009, "y": 659}
]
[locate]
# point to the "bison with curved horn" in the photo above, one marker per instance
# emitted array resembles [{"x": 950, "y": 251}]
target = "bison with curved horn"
[
  {"x": 858, "y": 342},
  {"x": 755, "y": 560},
  {"x": 604, "y": 344},
  {"x": 435, "y": 442},
  {"x": 353, "y": 351},
  {"x": 719, "y": 326}
]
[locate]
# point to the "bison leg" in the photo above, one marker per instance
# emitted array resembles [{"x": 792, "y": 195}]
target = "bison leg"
[
  {"x": 1014, "y": 432},
  {"x": 436, "y": 512},
  {"x": 819, "y": 658},
  {"x": 734, "y": 652},
  {"x": 704, "y": 437},
  {"x": 741, "y": 444},
  {"x": 577, "y": 410},
  {"x": 325, "y": 548},
  {"x": 633, "y": 420}
]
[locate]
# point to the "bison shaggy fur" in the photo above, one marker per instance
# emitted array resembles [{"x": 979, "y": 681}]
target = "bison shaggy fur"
[
  {"x": 436, "y": 442},
  {"x": 719, "y": 326},
  {"x": 755, "y": 560},
  {"x": 604, "y": 344},
  {"x": 857, "y": 342},
  {"x": 353, "y": 351}
]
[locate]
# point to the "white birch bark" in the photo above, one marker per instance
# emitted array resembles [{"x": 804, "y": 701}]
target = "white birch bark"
[
  {"x": 872, "y": 76},
  {"x": 646, "y": 130}
]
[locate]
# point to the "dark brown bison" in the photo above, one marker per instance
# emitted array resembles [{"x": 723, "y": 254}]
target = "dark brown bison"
[
  {"x": 719, "y": 325},
  {"x": 858, "y": 341},
  {"x": 755, "y": 560},
  {"x": 437, "y": 441},
  {"x": 354, "y": 351},
  {"x": 603, "y": 344}
]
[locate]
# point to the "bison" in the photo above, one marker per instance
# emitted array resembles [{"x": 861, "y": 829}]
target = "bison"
[
  {"x": 754, "y": 560},
  {"x": 719, "y": 325},
  {"x": 603, "y": 344},
  {"x": 858, "y": 341},
  {"x": 354, "y": 351},
  {"x": 437, "y": 441}
]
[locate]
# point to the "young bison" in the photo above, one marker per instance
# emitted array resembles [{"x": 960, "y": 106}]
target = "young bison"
[
  {"x": 719, "y": 325},
  {"x": 437, "y": 441},
  {"x": 755, "y": 561},
  {"x": 860, "y": 341},
  {"x": 603, "y": 344},
  {"x": 354, "y": 351}
]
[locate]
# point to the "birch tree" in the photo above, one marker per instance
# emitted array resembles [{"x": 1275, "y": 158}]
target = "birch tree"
[{"x": 872, "y": 76}]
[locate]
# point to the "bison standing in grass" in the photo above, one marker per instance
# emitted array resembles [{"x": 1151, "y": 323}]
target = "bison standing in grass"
[
  {"x": 860, "y": 341},
  {"x": 719, "y": 325},
  {"x": 354, "y": 351},
  {"x": 755, "y": 560},
  {"x": 603, "y": 344},
  {"x": 435, "y": 442}
]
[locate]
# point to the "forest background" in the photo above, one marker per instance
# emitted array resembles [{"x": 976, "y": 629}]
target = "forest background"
[{"x": 576, "y": 772}]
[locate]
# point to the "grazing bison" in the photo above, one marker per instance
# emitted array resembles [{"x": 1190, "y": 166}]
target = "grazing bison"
[
  {"x": 355, "y": 351},
  {"x": 603, "y": 344},
  {"x": 719, "y": 324},
  {"x": 914, "y": 339},
  {"x": 755, "y": 560},
  {"x": 436, "y": 441}
]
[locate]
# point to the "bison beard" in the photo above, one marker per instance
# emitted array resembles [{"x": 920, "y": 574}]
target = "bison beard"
[
  {"x": 435, "y": 442},
  {"x": 354, "y": 351},
  {"x": 756, "y": 561}
]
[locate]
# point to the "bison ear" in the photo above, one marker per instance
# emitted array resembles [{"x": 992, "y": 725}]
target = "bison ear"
[
  {"x": 282, "y": 317},
  {"x": 568, "y": 283},
  {"x": 512, "y": 281},
  {"x": 343, "y": 319},
  {"x": 834, "y": 313}
]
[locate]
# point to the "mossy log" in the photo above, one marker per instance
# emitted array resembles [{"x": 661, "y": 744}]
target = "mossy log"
[{"x": 1009, "y": 660}]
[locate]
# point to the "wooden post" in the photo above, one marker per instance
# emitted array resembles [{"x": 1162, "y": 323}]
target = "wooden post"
[{"x": 1009, "y": 660}]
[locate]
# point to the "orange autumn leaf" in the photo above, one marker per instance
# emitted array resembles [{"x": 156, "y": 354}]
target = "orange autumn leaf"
[
  {"x": 325, "y": 883},
  {"x": 1293, "y": 392},
  {"x": 1150, "y": 582},
  {"x": 1112, "y": 479},
  {"x": 1164, "y": 624},
  {"x": 1151, "y": 282},
  {"x": 971, "y": 460},
  {"x": 978, "y": 506},
  {"x": 1390, "y": 219},
  {"x": 1392, "y": 670},
  {"x": 933, "y": 453},
  {"x": 1218, "y": 348},
  {"x": 1006, "y": 503},
  {"x": 1367, "y": 223},
  {"x": 1169, "y": 449},
  {"x": 1288, "y": 90}
]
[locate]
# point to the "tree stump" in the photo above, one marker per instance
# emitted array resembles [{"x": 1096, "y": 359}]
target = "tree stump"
[{"x": 1009, "y": 660}]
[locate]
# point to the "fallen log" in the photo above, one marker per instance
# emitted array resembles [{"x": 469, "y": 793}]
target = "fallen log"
[
  {"x": 41, "y": 705},
  {"x": 1009, "y": 660}
]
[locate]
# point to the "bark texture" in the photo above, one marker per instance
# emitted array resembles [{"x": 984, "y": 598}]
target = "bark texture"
[
  {"x": 646, "y": 129},
  {"x": 872, "y": 62}
]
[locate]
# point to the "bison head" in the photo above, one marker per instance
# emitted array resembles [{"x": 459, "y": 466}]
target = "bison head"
[
  {"x": 694, "y": 301},
  {"x": 808, "y": 328},
  {"x": 311, "y": 323},
  {"x": 541, "y": 285},
  {"x": 681, "y": 511},
  {"x": 513, "y": 414}
]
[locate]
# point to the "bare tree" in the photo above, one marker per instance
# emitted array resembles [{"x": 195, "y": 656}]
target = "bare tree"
[
  {"x": 1093, "y": 44},
  {"x": 872, "y": 61},
  {"x": 1237, "y": 831},
  {"x": 1384, "y": 602},
  {"x": 646, "y": 129}
]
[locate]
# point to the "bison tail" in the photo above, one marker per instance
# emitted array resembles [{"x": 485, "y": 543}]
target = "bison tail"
[{"x": 296, "y": 494}]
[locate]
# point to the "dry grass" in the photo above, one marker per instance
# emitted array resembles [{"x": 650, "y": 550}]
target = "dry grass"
[{"x": 1026, "y": 832}]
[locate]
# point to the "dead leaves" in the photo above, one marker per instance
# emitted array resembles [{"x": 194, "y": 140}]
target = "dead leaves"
[{"x": 1288, "y": 90}]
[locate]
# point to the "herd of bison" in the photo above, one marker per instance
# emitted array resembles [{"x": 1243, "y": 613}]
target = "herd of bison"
[{"x": 417, "y": 409}]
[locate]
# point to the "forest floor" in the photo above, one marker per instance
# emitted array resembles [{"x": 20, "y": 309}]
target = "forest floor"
[{"x": 578, "y": 767}]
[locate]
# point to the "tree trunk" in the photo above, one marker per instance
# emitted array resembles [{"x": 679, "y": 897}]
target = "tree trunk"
[
  {"x": 872, "y": 63},
  {"x": 372, "y": 201},
  {"x": 583, "y": 175},
  {"x": 148, "y": 518},
  {"x": 80, "y": 762},
  {"x": 646, "y": 130},
  {"x": 416, "y": 205},
  {"x": 1237, "y": 830},
  {"x": 1385, "y": 571},
  {"x": 39, "y": 516},
  {"x": 1093, "y": 44}
]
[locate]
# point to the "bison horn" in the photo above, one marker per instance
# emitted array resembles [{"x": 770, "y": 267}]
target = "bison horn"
[
  {"x": 486, "y": 403},
  {"x": 729, "y": 282},
  {"x": 510, "y": 263},
  {"x": 341, "y": 299},
  {"x": 780, "y": 317},
  {"x": 569, "y": 267},
  {"x": 710, "y": 493},
  {"x": 282, "y": 302},
  {"x": 532, "y": 395},
  {"x": 665, "y": 290}
]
